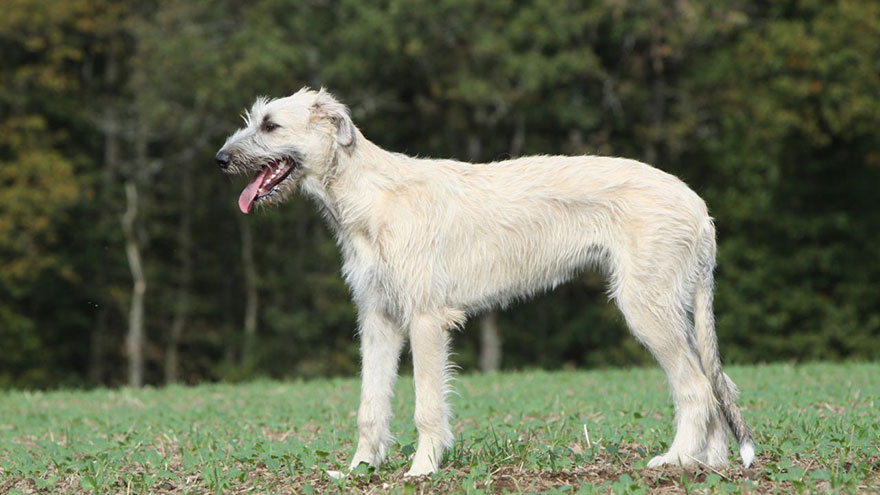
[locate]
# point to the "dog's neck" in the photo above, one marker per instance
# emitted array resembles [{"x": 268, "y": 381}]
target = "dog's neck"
[{"x": 356, "y": 181}]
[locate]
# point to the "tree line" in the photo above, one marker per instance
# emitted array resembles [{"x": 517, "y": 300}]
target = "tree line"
[{"x": 124, "y": 259}]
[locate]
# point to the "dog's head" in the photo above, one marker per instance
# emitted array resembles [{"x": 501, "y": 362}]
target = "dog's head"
[{"x": 285, "y": 141}]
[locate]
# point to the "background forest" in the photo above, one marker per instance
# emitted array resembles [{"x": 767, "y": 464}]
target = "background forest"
[{"x": 124, "y": 260}]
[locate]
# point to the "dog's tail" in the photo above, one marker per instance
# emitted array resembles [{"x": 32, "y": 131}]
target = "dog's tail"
[{"x": 707, "y": 345}]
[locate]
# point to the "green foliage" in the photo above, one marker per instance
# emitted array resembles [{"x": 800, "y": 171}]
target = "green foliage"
[
  {"x": 38, "y": 187},
  {"x": 796, "y": 149},
  {"x": 563, "y": 432},
  {"x": 768, "y": 110}
]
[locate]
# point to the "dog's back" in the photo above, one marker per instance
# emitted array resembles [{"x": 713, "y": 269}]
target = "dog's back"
[{"x": 499, "y": 231}]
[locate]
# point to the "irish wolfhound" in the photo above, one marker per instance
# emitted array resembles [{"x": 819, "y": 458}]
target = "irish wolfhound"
[{"x": 427, "y": 242}]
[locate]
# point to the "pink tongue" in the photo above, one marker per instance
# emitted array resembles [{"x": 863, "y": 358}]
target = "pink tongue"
[{"x": 246, "y": 200}]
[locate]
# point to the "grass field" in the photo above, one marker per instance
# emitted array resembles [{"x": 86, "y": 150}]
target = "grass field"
[{"x": 817, "y": 429}]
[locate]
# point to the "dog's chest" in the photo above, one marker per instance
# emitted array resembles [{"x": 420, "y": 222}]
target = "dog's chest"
[{"x": 362, "y": 267}]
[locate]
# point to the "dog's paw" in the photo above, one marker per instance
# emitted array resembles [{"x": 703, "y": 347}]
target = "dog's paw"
[
  {"x": 656, "y": 462},
  {"x": 336, "y": 475},
  {"x": 357, "y": 461},
  {"x": 362, "y": 458},
  {"x": 421, "y": 470},
  {"x": 423, "y": 463},
  {"x": 671, "y": 459},
  {"x": 367, "y": 454},
  {"x": 714, "y": 458}
]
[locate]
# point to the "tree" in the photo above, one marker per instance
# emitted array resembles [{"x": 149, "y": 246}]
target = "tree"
[{"x": 767, "y": 109}]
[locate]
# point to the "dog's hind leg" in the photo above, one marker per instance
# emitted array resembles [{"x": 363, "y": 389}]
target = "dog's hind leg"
[
  {"x": 381, "y": 342},
  {"x": 429, "y": 338},
  {"x": 663, "y": 328},
  {"x": 707, "y": 345},
  {"x": 715, "y": 454}
]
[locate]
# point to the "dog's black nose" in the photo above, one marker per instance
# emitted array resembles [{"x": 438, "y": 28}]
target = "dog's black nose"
[{"x": 222, "y": 159}]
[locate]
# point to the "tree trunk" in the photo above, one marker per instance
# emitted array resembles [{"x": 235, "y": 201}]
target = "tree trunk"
[
  {"x": 134, "y": 341},
  {"x": 111, "y": 162},
  {"x": 184, "y": 243},
  {"x": 490, "y": 343},
  {"x": 96, "y": 347},
  {"x": 656, "y": 106},
  {"x": 251, "y": 294},
  {"x": 519, "y": 136},
  {"x": 490, "y": 340},
  {"x": 110, "y": 127},
  {"x": 474, "y": 147}
]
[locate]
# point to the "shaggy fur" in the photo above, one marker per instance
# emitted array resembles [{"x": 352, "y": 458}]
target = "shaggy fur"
[{"x": 427, "y": 242}]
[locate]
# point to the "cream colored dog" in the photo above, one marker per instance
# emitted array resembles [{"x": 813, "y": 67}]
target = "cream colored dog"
[{"x": 428, "y": 242}]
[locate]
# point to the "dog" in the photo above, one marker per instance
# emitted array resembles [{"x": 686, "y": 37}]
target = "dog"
[{"x": 426, "y": 243}]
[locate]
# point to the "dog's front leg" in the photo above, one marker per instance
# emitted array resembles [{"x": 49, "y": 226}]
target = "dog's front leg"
[
  {"x": 381, "y": 342},
  {"x": 430, "y": 347}
]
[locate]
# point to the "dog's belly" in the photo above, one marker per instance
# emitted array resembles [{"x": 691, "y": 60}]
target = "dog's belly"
[
  {"x": 505, "y": 265},
  {"x": 521, "y": 279}
]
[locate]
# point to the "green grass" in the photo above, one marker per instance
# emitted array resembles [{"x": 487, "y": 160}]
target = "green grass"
[{"x": 817, "y": 429}]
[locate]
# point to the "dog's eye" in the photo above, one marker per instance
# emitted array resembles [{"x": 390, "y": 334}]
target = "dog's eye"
[{"x": 270, "y": 126}]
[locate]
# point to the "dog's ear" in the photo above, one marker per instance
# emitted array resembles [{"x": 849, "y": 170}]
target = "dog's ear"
[{"x": 328, "y": 107}]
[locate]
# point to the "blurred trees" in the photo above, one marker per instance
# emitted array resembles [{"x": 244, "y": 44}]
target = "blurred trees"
[
  {"x": 768, "y": 109},
  {"x": 797, "y": 154}
]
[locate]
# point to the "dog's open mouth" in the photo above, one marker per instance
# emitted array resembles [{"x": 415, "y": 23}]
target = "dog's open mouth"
[{"x": 264, "y": 182}]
